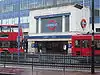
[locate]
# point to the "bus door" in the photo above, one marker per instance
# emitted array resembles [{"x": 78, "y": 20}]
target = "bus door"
[{"x": 85, "y": 47}]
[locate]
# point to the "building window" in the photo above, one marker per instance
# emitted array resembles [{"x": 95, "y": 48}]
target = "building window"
[
  {"x": 10, "y": 21},
  {"x": 4, "y": 21},
  {"x": 97, "y": 12},
  {"x": 0, "y": 21},
  {"x": 8, "y": 8},
  {"x": 1, "y": 8},
  {"x": 15, "y": 7},
  {"x": 13, "y": 21},
  {"x": 24, "y": 4},
  {"x": 97, "y": 29},
  {"x": 50, "y": 2},
  {"x": 24, "y": 19},
  {"x": 16, "y": 20},
  {"x": 67, "y": 23}
]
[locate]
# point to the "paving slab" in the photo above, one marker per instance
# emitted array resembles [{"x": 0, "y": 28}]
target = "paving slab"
[
  {"x": 11, "y": 71},
  {"x": 46, "y": 72}
]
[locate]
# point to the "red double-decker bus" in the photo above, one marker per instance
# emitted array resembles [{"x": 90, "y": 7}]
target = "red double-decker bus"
[
  {"x": 82, "y": 45},
  {"x": 9, "y": 39}
]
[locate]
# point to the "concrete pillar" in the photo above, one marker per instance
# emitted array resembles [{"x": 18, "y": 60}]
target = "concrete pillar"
[
  {"x": 39, "y": 27},
  {"x": 63, "y": 23}
]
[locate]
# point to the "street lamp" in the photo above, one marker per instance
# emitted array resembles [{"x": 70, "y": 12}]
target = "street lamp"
[
  {"x": 18, "y": 30},
  {"x": 92, "y": 53}
]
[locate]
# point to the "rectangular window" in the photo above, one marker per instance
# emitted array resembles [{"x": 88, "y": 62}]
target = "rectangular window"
[
  {"x": 10, "y": 21},
  {"x": 4, "y": 21},
  {"x": 13, "y": 21},
  {"x": 8, "y": 44},
  {"x": 7, "y": 21},
  {"x": 24, "y": 19},
  {"x": 67, "y": 23},
  {"x": 97, "y": 29},
  {"x": 97, "y": 44},
  {"x": 16, "y": 20},
  {"x": 77, "y": 43},
  {"x": 50, "y": 2},
  {"x": 4, "y": 44},
  {"x": 21, "y": 19},
  {"x": 96, "y": 12},
  {"x": 85, "y": 43},
  {"x": 1, "y": 8},
  {"x": 15, "y": 7},
  {"x": 0, "y": 21},
  {"x": 8, "y": 8},
  {"x": 24, "y": 5}
]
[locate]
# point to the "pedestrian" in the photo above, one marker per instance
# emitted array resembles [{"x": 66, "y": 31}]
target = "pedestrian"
[
  {"x": 65, "y": 47},
  {"x": 69, "y": 48},
  {"x": 40, "y": 48}
]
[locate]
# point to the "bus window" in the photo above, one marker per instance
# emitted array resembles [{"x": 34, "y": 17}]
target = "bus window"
[
  {"x": 13, "y": 44},
  {"x": 77, "y": 43},
  {"x": 85, "y": 44},
  {"x": 5, "y": 29},
  {"x": 97, "y": 44},
  {"x": 4, "y": 44}
]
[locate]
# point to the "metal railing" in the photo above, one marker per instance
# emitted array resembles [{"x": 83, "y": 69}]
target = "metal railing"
[{"x": 53, "y": 61}]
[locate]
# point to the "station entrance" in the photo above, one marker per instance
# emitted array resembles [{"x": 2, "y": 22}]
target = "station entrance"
[{"x": 52, "y": 46}]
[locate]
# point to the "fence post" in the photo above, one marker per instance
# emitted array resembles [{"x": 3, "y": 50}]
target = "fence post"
[
  {"x": 64, "y": 62},
  {"x": 12, "y": 56},
  {"x": 32, "y": 63},
  {"x": 0, "y": 55},
  {"x": 25, "y": 56},
  {"x": 5, "y": 54}
]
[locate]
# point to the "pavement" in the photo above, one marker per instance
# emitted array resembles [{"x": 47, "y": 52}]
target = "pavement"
[
  {"x": 27, "y": 70},
  {"x": 22, "y": 71},
  {"x": 45, "y": 72}
]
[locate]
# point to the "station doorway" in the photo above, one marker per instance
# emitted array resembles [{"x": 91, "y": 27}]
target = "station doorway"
[{"x": 52, "y": 46}]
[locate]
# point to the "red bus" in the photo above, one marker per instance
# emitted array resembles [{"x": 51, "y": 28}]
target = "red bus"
[
  {"x": 9, "y": 39},
  {"x": 81, "y": 45}
]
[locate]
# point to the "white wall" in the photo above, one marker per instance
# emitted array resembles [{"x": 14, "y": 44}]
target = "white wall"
[{"x": 75, "y": 17}]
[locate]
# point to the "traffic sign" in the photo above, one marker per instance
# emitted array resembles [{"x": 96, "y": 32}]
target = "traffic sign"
[{"x": 83, "y": 23}]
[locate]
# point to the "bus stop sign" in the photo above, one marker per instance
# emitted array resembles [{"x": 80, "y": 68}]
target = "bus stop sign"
[{"x": 83, "y": 23}]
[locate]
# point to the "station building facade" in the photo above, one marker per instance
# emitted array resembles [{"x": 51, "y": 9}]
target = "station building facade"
[{"x": 53, "y": 27}]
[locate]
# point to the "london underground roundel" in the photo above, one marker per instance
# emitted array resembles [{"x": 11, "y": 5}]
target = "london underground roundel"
[
  {"x": 83, "y": 23},
  {"x": 52, "y": 24}
]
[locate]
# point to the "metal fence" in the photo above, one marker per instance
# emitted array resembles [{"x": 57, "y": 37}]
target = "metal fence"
[{"x": 50, "y": 61}]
